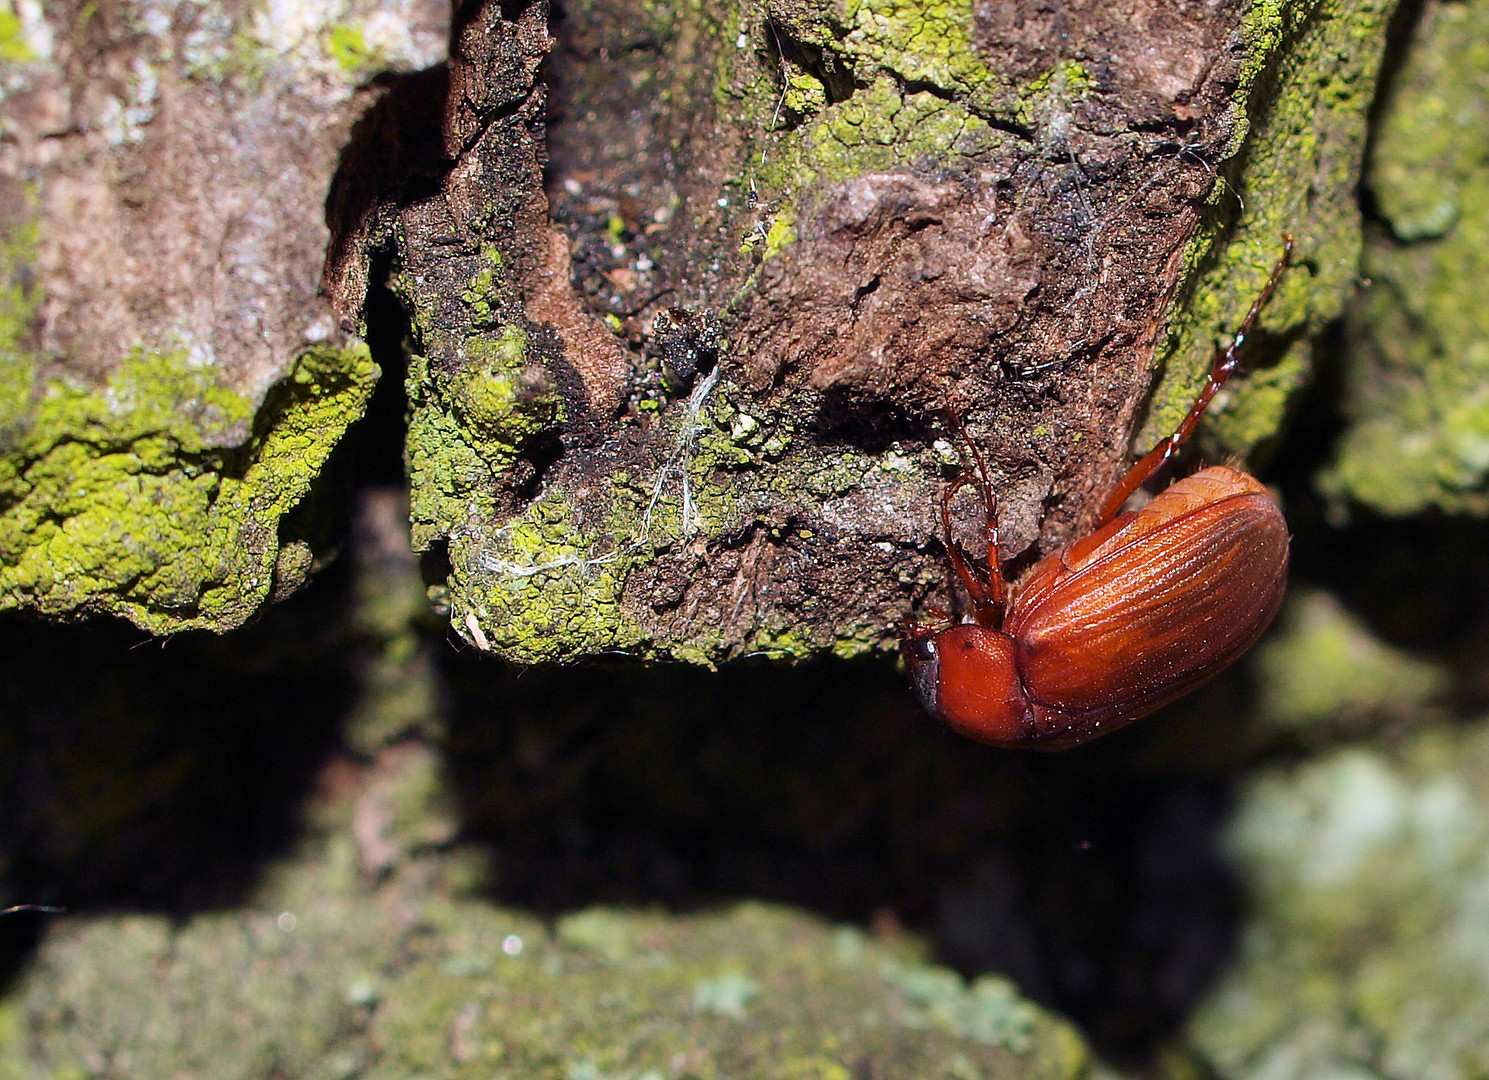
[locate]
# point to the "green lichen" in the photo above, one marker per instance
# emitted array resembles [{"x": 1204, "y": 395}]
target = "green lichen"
[
  {"x": 469, "y": 427},
  {"x": 1368, "y": 921},
  {"x": 158, "y": 495},
  {"x": 14, "y": 48},
  {"x": 642, "y": 990},
  {"x": 483, "y": 290},
  {"x": 538, "y": 590},
  {"x": 1426, "y": 150},
  {"x": 1417, "y": 372},
  {"x": 886, "y": 44},
  {"x": 805, "y": 95},
  {"x": 782, "y": 231},
  {"x": 1323, "y": 667},
  {"x": 990, "y": 1010},
  {"x": 878, "y": 129},
  {"x": 924, "y": 41},
  {"x": 551, "y": 582},
  {"x": 497, "y": 397},
  {"x": 470, "y": 419},
  {"x": 778, "y": 234},
  {"x": 325, "y": 974},
  {"x": 1300, "y": 114},
  {"x": 348, "y": 46}
]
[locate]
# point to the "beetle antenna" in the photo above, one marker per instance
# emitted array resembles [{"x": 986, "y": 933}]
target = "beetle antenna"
[
  {"x": 910, "y": 627},
  {"x": 1223, "y": 367}
]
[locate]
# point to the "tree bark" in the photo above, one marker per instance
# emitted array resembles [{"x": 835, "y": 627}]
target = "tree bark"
[{"x": 693, "y": 289}]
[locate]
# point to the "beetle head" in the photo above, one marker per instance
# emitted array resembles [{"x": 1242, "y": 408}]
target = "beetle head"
[{"x": 925, "y": 668}]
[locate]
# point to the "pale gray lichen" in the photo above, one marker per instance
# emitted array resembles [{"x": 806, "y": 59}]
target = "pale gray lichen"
[{"x": 1366, "y": 947}]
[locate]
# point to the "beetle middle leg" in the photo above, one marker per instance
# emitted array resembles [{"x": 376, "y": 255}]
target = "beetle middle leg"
[{"x": 1223, "y": 367}]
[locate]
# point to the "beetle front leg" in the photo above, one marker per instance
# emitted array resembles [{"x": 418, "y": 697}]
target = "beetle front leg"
[{"x": 990, "y": 594}]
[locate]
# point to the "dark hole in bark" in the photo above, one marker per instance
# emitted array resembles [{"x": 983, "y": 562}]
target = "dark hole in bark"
[
  {"x": 377, "y": 440},
  {"x": 819, "y": 61},
  {"x": 394, "y": 155},
  {"x": 513, "y": 10},
  {"x": 434, "y": 562},
  {"x": 843, "y": 417}
]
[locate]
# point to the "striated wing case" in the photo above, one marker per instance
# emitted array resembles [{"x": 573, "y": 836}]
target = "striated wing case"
[{"x": 1155, "y": 603}]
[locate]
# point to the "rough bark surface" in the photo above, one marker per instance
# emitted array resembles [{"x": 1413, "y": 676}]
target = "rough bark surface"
[
  {"x": 171, "y": 381},
  {"x": 692, "y": 290}
]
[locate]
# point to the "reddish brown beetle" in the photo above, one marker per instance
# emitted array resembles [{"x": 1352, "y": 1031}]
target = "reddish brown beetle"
[{"x": 1119, "y": 623}]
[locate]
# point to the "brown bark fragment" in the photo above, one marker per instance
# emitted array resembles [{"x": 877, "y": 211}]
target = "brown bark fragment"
[
  {"x": 588, "y": 345},
  {"x": 900, "y": 276}
]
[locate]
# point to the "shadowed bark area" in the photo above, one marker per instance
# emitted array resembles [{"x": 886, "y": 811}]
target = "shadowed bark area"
[{"x": 692, "y": 289}]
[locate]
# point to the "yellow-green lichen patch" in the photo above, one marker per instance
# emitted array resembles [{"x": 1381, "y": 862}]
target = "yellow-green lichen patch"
[
  {"x": 499, "y": 397},
  {"x": 880, "y": 47},
  {"x": 782, "y": 231},
  {"x": 881, "y": 128},
  {"x": 925, "y": 41},
  {"x": 805, "y": 95},
  {"x": 150, "y": 498},
  {"x": 538, "y": 589},
  {"x": 348, "y": 46},
  {"x": 1417, "y": 373},
  {"x": 448, "y": 478},
  {"x": 1303, "y": 152},
  {"x": 483, "y": 289},
  {"x": 1323, "y": 666},
  {"x": 1253, "y": 404},
  {"x": 550, "y": 584},
  {"x": 469, "y": 427},
  {"x": 547, "y": 584},
  {"x": 15, "y": 35}
]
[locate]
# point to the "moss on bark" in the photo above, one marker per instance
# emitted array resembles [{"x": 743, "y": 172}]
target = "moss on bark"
[{"x": 1418, "y": 356}]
